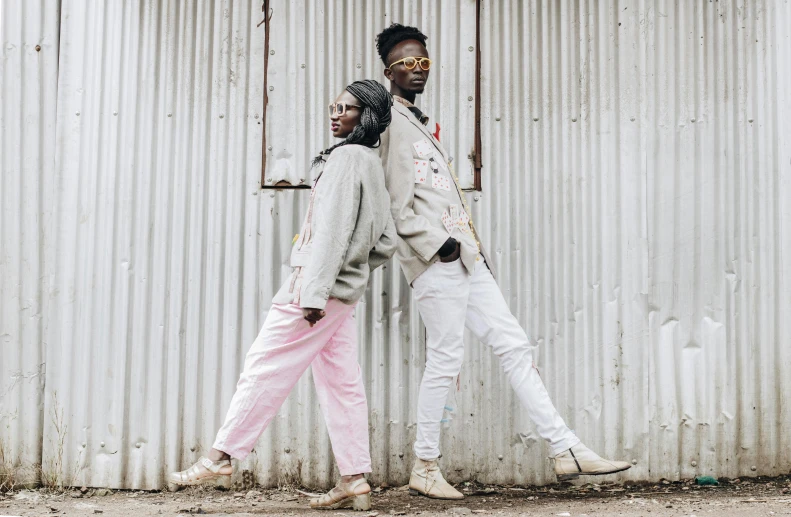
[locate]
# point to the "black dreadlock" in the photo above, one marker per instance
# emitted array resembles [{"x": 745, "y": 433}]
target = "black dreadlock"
[
  {"x": 374, "y": 119},
  {"x": 395, "y": 34}
]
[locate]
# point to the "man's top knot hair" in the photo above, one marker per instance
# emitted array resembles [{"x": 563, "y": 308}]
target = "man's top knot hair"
[{"x": 395, "y": 34}]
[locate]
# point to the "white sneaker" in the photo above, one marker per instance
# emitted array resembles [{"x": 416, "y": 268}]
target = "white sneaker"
[
  {"x": 581, "y": 461},
  {"x": 427, "y": 480}
]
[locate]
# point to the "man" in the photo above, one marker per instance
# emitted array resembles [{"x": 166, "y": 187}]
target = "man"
[{"x": 441, "y": 256}]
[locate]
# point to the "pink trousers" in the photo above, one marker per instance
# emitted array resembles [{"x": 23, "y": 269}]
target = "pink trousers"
[{"x": 281, "y": 353}]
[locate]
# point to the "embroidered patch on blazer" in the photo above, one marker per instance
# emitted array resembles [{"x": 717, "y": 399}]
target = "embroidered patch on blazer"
[
  {"x": 448, "y": 222},
  {"x": 440, "y": 181},
  {"x": 421, "y": 171},
  {"x": 423, "y": 148}
]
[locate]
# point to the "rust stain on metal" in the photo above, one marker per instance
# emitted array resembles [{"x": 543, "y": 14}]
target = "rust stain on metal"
[
  {"x": 477, "y": 162},
  {"x": 267, "y": 18}
]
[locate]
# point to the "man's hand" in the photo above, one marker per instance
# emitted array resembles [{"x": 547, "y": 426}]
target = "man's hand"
[
  {"x": 313, "y": 315},
  {"x": 450, "y": 251}
]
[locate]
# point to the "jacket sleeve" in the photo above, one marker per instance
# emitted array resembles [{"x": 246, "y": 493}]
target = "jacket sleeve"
[
  {"x": 335, "y": 208},
  {"x": 417, "y": 231},
  {"x": 385, "y": 248}
]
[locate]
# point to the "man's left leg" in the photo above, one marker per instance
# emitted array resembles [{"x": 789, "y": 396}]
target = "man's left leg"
[{"x": 490, "y": 319}]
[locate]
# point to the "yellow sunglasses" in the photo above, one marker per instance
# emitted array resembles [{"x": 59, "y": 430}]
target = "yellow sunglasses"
[{"x": 412, "y": 62}]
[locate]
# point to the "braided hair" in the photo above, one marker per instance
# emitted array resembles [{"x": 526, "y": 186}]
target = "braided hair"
[
  {"x": 395, "y": 34},
  {"x": 376, "y": 102}
]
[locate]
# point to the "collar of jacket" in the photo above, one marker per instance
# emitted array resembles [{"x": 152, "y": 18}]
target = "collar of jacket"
[{"x": 422, "y": 117}]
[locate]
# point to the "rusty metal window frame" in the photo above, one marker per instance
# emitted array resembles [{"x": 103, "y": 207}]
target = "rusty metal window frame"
[
  {"x": 280, "y": 185},
  {"x": 476, "y": 152},
  {"x": 477, "y": 160}
]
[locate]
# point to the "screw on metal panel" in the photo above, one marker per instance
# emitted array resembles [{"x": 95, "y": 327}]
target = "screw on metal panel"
[
  {"x": 476, "y": 197},
  {"x": 500, "y": 457},
  {"x": 272, "y": 52},
  {"x": 535, "y": 119},
  {"x": 400, "y": 454},
  {"x": 287, "y": 449},
  {"x": 78, "y": 113},
  {"x": 138, "y": 445},
  {"x": 634, "y": 462},
  {"x": 470, "y": 48},
  {"x": 753, "y": 468},
  {"x": 573, "y": 119},
  {"x": 497, "y": 119},
  {"x": 170, "y": 114},
  {"x": 115, "y": 113},
  {"x": 84, "y": 445},
  {"x": 269, "y": 180},
  {"x": 469, "y": 98},
  {"x": 192, "y": 449},
  {"x": 694, "y": 463},
  {"x": 101, "y": 444},
  {"x": 632, "y": 119},
  {"x": 222, "y": 116},
  {"x": 750, "y": 120},
  {"x": 272, "y": 194},
  {"x": 303, "y": 65},
  {"x": 271, "y": 88},
  {"x": 256, "y": 115},
  {"x": 269, "y": 148},
  {"x": 359, "y": 65},
  {"x": 692, "y": 120},
  {"x": 301, "y": 180},
  {"x": 38, "y": 48}
]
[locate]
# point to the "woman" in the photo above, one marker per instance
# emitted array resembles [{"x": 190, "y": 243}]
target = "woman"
[{"x": 348, "y": 232}]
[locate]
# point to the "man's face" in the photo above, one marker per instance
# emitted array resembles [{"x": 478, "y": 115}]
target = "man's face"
[{"x": 414, "y": 80}]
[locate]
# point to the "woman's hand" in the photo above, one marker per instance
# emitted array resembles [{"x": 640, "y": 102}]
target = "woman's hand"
[{"x": 313, "y": 315}]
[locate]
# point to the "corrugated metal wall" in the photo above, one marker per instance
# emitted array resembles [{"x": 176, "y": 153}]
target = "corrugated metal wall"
[
  {"x": 318, "y": 47},
  {"x": 637, "y": 186},
  {"x": 647, "y": 254},
  {"x": 161, "y": 268},
  {"x": 28, "y": 81}
]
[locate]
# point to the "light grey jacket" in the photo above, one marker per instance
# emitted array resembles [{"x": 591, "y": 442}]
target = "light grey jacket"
[
  {"x": 351, "y": 231},
  {"x": 418, "y": 200}
]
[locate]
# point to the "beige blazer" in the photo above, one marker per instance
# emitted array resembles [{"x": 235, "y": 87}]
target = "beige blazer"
[
  {"x": 424, "y": 194},
  {"x": 347, "y": 233}
]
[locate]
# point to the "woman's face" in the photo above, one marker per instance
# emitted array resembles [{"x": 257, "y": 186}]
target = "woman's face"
[{"x": 343, "y": 123}]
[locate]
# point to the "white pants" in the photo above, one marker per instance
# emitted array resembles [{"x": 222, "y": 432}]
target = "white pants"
[{"x": 449, "y": 299}]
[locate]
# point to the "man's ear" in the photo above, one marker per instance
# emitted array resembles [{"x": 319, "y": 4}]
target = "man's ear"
[{"x": 389, "y": 74}]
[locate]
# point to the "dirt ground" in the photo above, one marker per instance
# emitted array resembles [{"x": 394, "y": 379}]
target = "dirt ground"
[{"x": 746, "y": 497}]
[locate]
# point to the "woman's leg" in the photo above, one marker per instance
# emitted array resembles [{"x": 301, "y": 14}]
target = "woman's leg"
[
  {"x": 339, "y": 385},
  {"x": 341, "y": 394},
  {"x": 282, "y": 352}
]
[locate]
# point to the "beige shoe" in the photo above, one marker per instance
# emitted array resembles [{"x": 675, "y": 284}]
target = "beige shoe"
[
  {"x": 355, "y": 495},
  {"x": 202, "y": 471},
  {"x": 427, "y": 480},
  {"x": 581, "y": 461}
]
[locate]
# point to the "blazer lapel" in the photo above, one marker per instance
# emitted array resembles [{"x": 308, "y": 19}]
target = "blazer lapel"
[{"x": 411, "y": 117}]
